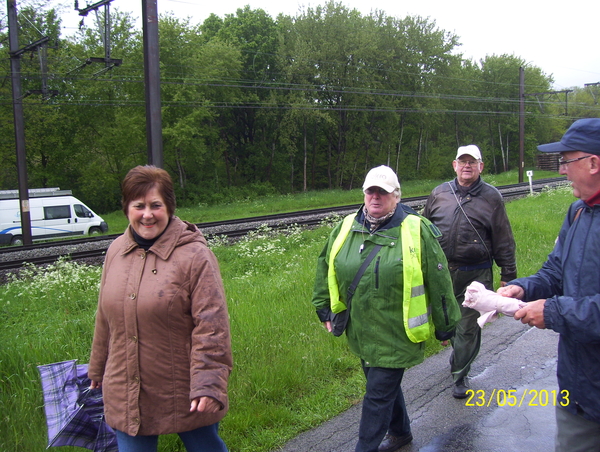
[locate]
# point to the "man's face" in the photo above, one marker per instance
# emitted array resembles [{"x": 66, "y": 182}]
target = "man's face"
[
  {"x": 467, "y": 169},
  {"x": 578, "y": 172}
]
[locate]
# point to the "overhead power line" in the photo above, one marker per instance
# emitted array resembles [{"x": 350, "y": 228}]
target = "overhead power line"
[{"x": 109, "y": 62}]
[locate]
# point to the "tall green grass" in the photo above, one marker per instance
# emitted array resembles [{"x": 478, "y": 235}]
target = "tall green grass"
[
  {"x": 289, "y": 375},
  {"x": 46, "y": 317},
  {"x": 272, "y": 204}
]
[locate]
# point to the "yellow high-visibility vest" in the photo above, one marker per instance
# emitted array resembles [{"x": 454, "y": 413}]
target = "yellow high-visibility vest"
[{"x": 415, "y": 306}]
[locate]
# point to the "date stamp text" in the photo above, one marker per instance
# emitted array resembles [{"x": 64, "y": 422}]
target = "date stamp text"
[{"x": 511, "y": 397}]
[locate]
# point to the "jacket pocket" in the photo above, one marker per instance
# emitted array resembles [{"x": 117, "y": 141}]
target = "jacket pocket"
[
  {"x": 470, "y": 244},
  {"x": 377, "y": 273},
  {"x": 445, "y": 310}
]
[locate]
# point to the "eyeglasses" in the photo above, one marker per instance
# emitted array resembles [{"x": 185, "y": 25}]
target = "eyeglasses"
[
  {"x": 373, "y": 190},
  {"x": 562, "y": 161},
  {"x": 463, "y": 163}
]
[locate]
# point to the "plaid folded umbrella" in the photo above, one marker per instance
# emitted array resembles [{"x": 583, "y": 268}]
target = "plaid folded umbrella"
[{"x": 74, "y": 412}]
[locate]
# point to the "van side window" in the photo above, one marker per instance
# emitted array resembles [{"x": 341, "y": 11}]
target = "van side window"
[
  {"x": 54, "y": 212},
  {"x": 82, "y": 212}
]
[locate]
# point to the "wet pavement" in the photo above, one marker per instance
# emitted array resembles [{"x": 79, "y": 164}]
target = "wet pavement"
[{"x": 513, "y": 357}]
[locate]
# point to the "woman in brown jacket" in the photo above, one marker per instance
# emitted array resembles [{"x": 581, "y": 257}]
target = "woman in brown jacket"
[{"x": 161, "y": 350}]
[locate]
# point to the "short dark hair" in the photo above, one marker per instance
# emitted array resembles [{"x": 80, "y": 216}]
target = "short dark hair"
[{"x": 141, "y": 179}]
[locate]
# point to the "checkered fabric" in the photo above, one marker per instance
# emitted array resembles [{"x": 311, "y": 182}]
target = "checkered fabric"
[{"x": 74, "y": 412}]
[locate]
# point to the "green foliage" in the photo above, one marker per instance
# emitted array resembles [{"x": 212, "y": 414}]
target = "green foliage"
[{"x": 255, "y": 104}]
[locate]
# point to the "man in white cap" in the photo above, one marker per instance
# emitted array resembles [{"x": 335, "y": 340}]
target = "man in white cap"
[
  {"x": 564, "y": 294},
  {"x": 476, "y": 232}
]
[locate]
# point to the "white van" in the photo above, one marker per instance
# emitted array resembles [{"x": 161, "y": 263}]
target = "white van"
[{"x": 54, "y": 213}]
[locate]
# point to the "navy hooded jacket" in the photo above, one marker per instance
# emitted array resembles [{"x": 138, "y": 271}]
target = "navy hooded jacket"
[{"x": 570, "y": 281}]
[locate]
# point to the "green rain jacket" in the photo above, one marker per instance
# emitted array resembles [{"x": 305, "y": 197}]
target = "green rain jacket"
[{"x": 375, "y": 330}]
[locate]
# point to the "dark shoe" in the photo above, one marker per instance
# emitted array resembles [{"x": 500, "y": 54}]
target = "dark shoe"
[
  {"x": 460, "y": 389},
  {"x": 392, "y": 443}
]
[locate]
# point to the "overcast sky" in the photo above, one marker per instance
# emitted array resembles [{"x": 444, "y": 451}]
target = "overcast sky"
[{"x": 561, "y": 38}]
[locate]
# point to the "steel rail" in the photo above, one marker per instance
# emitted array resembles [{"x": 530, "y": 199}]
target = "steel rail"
[{"x": 233, "y": 230}]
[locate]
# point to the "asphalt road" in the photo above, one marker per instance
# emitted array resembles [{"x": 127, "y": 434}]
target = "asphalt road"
[{"x": 513, "y": 357}]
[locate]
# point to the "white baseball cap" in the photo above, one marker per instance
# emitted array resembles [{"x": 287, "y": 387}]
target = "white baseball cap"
[
  {"x": 471, "y": 150},
  {"x": 383, "y": 177}
]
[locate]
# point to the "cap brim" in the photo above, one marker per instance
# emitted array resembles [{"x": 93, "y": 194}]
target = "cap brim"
[
  {"x": 387, "y": 188},
  {"x": 554, "y": 147},
  {"x": 467, "y": 153}
]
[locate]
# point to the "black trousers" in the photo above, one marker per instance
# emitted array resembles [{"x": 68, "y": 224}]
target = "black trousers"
[
  {"x": 467, "y": 336},
  {"x": 383, "y": 409}
]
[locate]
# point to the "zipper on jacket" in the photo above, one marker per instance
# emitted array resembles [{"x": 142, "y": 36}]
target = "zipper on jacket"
[
  {"x": 377, "y": 272},
  {"x": 445, "y": 309}
]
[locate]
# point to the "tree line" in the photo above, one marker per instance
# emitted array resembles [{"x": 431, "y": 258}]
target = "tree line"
[{"x": 254, "y": 105}]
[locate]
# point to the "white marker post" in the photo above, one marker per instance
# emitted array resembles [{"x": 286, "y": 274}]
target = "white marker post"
[{"x": 530, "y": 176}]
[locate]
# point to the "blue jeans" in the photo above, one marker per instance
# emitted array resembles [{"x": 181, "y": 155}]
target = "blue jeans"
[
  {"x": 383, "y": 409},
  {"x": 203, "y": 439}
]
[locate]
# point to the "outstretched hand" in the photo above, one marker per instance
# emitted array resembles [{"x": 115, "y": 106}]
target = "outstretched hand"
[{"x": 532, "y": 314}]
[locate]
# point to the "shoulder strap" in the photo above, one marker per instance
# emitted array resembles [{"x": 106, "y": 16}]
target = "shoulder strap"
[
  {"x": 469, "y": 221},
  {"x": 334, "y": 293},
  {"x": 360, "y": 273},
  {"x": 577, "y": 213}
]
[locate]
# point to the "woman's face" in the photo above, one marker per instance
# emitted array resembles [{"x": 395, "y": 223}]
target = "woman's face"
[
  {"x": 148, "y": 216},
  {"x": 379, "y": 202}
]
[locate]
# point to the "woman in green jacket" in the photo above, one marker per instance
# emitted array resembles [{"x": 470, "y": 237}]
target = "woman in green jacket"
[{"x": 404, "y": 291}]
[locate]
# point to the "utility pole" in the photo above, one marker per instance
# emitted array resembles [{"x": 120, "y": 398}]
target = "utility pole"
[
  {"x": 19, "y": 122},
  {"x": 521, "y": 122},
  {"x": 564, "y": 91},
  {"x": 41, "y": 46},
  {"x": 152, "y": 78},
  {"x": 151, "y": 71},
  {"x": 108, "y": 61},
  {"x": 587, "y": 85}
]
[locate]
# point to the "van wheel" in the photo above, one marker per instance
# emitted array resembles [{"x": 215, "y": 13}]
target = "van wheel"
[
  {"x": 95, "y": 231},
  {"x": 17, "y": 240}
]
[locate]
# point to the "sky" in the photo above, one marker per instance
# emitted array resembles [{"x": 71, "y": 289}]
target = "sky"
[{"x": 562, "y": 39}]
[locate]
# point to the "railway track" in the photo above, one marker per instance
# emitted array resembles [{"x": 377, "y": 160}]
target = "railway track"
[{"x": 94, "y": 248}]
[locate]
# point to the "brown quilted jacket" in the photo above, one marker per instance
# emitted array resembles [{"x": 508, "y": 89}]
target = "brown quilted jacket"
[{"x": 162, "y": 333}]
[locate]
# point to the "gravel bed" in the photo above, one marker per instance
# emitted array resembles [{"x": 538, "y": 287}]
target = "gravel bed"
[{"x": 52, "y": 251}]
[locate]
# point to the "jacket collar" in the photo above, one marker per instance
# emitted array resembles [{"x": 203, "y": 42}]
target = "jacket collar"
[
  {"x": 401, "y": 212},
  {"x": 176, "y": 233},
  {"x": 595, "y": 199},
  {"x": 474, "y": 189}
]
